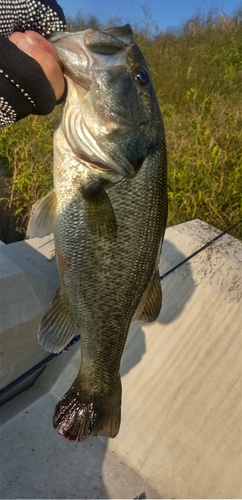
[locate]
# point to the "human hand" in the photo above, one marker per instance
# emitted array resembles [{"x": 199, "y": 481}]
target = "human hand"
[{"x": 45, "y": 54}]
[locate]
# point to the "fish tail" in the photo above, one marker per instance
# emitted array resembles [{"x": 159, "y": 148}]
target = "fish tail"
[{"x": 80, "y": 414}]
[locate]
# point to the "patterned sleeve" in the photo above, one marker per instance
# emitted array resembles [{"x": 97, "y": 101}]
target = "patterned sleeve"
[{"x": 24, "y": 87}]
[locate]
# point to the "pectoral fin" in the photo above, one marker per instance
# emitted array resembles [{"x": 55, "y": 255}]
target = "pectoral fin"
[
  {"x": 43, "y": 215},
  {"x": 151, "y": 304},
  {"x": 58, "y": 325},
  {"x": 98, "y": 209}
]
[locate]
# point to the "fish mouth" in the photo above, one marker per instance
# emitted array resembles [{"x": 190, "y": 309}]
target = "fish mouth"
[
  {"x": 83, "y": 51},
  {"x": 91, "y": 127}
]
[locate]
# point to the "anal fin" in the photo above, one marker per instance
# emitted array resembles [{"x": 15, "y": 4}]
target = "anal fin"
[
  {"x": 43, "y": 215},
  {"x": 58, "y": 325},
  {"x": 150, "y": 306}
]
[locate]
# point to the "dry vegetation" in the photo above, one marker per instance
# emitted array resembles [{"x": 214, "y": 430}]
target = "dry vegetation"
[{"x": 197, "y": 74}]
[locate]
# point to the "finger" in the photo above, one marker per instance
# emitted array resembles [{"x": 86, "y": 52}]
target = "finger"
[{"x": 44, "y": 53}]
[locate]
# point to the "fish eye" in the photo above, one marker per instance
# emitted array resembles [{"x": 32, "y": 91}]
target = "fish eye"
[{"x": 141, "y": 76}]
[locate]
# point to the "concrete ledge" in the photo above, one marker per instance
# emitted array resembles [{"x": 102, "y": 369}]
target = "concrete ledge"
[
  {"x": 180, "y": 434},
  {"x": 28, "y": 279}
]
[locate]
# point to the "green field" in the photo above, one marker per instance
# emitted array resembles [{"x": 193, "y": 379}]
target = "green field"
[{"x": 197, "y": 75}]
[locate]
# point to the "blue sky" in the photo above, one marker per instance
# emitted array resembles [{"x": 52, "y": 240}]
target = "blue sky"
[{"x": 163, "y": 13}]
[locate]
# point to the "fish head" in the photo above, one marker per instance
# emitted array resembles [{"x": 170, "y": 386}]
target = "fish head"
[{"x": 111, "y": 118}]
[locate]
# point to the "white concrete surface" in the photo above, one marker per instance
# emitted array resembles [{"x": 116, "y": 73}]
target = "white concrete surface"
[
  {"x": 28, "y": 279},
  {"x": 180, "y": 435}
]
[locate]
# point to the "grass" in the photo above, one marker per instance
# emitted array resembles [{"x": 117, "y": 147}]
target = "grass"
[
  {"x": 26, "y": 153},
  {"x": 197, "y": 75}
]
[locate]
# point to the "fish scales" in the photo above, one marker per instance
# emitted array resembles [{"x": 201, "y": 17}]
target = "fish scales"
[
  {"x": 108, "y": 213},
  {"x": 129, "y": 273}
]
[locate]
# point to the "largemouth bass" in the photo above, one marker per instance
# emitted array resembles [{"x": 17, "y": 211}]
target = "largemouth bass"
[{"x": 108, "y": 213}]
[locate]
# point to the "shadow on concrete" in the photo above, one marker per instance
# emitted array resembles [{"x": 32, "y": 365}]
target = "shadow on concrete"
[{"x": 179, "y": 280}]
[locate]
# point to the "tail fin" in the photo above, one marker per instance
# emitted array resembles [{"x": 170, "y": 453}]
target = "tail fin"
[{"x": 80, "y": 414}]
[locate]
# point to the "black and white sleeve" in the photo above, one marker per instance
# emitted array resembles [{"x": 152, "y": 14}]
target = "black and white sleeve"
[{"x": 24, "y": 87}]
